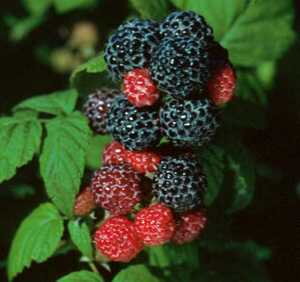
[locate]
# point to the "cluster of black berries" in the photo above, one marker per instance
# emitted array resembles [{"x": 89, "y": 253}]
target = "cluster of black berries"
[
  {"x": 174, "y": 78},
  {"x": 178, "y": 58}
]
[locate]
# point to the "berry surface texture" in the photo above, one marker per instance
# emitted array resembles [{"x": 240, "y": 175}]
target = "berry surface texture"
[{"x": 175, "y": 80}]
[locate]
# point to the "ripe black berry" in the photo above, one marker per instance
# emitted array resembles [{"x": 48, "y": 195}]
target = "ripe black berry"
[
  {"x": 135, "y": 128},
  {"x": 97, "y": 106},
  {"x": 180, "y": 66},
  {"x": 186, "y": 23},
  {"x": 189, "y": 122},
  {"x": 179, "y": 183},
  {"x": 131, "y": 46}
]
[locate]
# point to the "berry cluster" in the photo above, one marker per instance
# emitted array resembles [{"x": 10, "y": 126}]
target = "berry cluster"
[{"x": 175, "y": 77}]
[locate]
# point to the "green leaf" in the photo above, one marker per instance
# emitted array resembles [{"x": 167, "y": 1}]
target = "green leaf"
[
  {"x": 155, "y": 9},
  {"x": 268, "y": 171},
  {"x": 8, "y": 170},
  {"x": 254, "y": 31},
  {"x": 135, "y": 273},
  {"x": 36, "y": 239},
  {"x": 263, "y": 30},
  {"x": 58, "y": 102},
  {"x": 232, "y": 269},
  {"x": 26, "y": 114},
  {"x": 214, "y": 166},
  {"x": 248, "y": 249},
  {"x": 63, "y": 159},
  {"x": 93, "y": 66},
  {"x": 233, "y": 261},
  {"x": 22, "y": 191},
  {"x": 86, "y": 83},
  {"x": 266, "y": 74},
  {"x": 80, "y": 235},
  {"x": 21, "y": 27},
  {"x": 174, "y": 255},
  {"x": 250, "y": 87},
  {"x": 64, "y": 248},
  {"x": 3, "y": 263},
  {"x": 19, "y": 191},
  {"x": 64, "y": 6},
  {"x": 220, "y": 14},
  {"x": 19, "y": 140},
  {"x": 37, "y": 7},
  {"x": 244, "y": 114},
  {"x": 248, "y": 109},
  {"x": 81, "y": 276},
  {"x": 257, "y": 251},
  {"x": 242, "y": 165},
  {"x": 159, "y": 257},
  {"x": 95, "y": 149}
]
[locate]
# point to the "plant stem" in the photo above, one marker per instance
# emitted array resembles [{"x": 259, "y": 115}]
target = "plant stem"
[{"x": 93, "y": 267}]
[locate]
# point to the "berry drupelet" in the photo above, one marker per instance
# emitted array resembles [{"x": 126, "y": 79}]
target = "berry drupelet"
[
  {"x": 139, "y": 88},
  {"x": 155, "y": 224},
  {"x": 97, "y": 106},
  {"x": 135, "y": 129},
  {"x": 116, "y": 188},
  {"x": 189, "y": 122},
  {"x": 179, "y": 183},
  {"x": 186, "y": 23},
  {"x": 180, "y": 66},
  {"x": 117, "y": 239},
  {"x": 131, "y": 46}
]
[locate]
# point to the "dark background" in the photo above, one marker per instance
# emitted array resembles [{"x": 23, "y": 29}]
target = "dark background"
[{"x": 273, "y": 219}]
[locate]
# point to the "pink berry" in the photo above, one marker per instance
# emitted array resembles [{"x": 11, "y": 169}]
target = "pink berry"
[
  {"x": 116, "y": 188},
  {"x": 155, "y": 224},
  {"x": 189, "y": 226},
  {"x": 84, "y": 203},
  {"x": 139, "y": 88},
  {"x": 117, "y": 239},
  {"x": 114, "y": 153},
  {"x": 143, "y": 161},
  {"x": 222, "y": 84}
]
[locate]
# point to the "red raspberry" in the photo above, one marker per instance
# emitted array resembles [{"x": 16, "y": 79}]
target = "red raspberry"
[
  {"x": 221, "y": 86},
  {"x": 142, "y": 161},
  {"x": 117, "y": 239},
  {"x": 114, "y": 153},
  {"x": 116, "y": 188},
  {"x": 189, "y": 226},
  {"x": 139, "y": 88},
  {"x": 84, "y": 203},
  {"x": 155, "y": 225}
]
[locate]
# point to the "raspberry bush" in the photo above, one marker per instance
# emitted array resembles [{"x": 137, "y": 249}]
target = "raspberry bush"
[{"x": 143, "y": 157}]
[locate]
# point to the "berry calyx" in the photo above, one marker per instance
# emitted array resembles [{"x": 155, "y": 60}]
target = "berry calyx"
[
  {"x": 155, "y": 224},
  {"x": 139, "y": 88},
  {"x": 117, "y": 239},
  {"x": 189, "y": 226},
  {"x": 116, "y": 188}
]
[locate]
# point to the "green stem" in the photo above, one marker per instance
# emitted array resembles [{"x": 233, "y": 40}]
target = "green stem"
[
  {"x": 93, "y": 267},
  {"x": 44, "y": 120}
]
